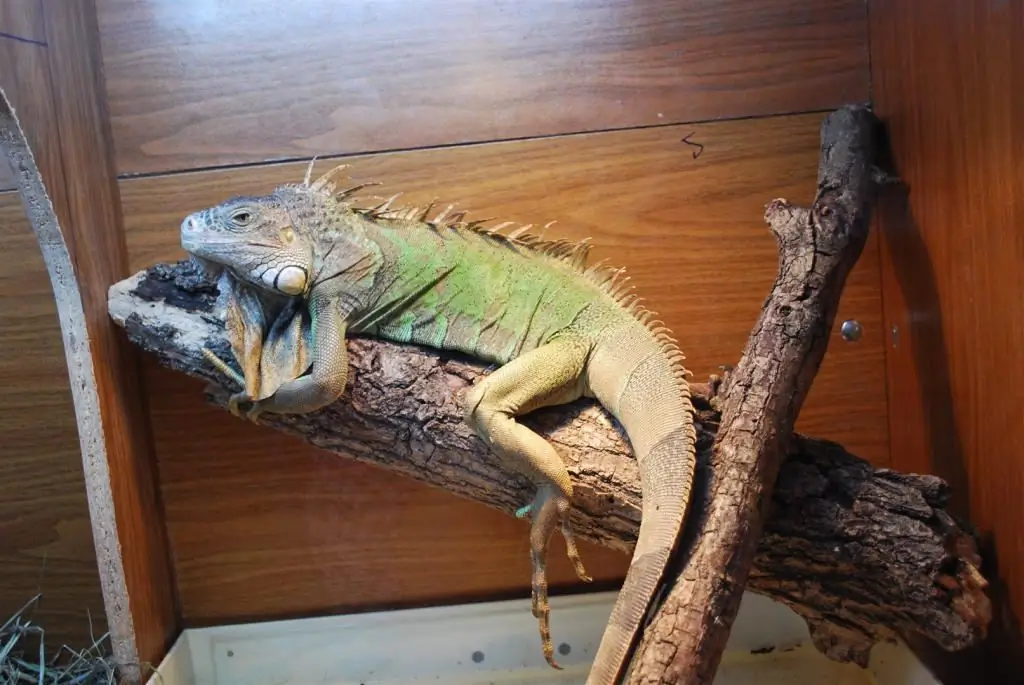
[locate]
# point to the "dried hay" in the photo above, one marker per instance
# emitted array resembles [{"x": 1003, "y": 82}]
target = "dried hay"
[{"x": 23, "y": 657}]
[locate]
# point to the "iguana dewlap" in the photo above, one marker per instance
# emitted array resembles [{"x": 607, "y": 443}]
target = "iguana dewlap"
[{"x": 557, "y": 330}]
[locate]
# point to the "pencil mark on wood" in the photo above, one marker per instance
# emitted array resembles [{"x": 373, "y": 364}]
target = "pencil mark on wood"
[
  {"x": 22, "y": 39},
  {"x": 700, "y": 148}
]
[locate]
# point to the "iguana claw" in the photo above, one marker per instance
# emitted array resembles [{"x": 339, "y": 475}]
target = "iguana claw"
[
  {"x": 254, "y": 412},
  {"x": 235, "y": 400}
]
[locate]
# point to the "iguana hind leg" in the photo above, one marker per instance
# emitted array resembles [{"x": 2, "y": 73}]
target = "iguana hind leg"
[{"x": 549, "y": 375}]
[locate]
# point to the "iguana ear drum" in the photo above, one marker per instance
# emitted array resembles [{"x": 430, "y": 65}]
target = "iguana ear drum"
[{"x": 291, "y": 280}]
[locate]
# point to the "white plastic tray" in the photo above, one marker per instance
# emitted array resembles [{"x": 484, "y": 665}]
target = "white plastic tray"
[{"x": 496, "y": 643}]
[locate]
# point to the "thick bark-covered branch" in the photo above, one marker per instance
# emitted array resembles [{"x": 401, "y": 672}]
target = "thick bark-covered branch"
[
  {"x": 863, "y": 554},
  {"x": 818, "y": 246}
]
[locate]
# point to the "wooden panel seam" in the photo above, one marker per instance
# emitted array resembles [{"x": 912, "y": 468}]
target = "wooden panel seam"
[{"x": 341, "y": 157}]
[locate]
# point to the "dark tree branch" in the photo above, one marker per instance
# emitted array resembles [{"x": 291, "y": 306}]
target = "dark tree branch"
[
  {"x": 818, "y": 246},
  {"x": 863, "y": 554}
]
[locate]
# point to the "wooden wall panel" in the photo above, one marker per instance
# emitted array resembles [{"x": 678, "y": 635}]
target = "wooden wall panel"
[
  {"x": 949, "y": 82},
  {"x": 261, "y": 525},
  {"x": 45, "y": 535},
  {"x": 204, "y": 84},
  {"x": 22, "y": 40},
  {"x": 56, "y": 87}
]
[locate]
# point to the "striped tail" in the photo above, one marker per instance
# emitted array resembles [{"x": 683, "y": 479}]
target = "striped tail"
[{"x": 638, "y": 376}]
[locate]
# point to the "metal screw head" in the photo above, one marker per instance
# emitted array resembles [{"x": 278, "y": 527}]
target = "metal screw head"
[{"x": 851, "y": 330}]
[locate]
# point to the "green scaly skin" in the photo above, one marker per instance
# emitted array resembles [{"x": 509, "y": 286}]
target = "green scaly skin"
[{"x": 557, "y": 330}]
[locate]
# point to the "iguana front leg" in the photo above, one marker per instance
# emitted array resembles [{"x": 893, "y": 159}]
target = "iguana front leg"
[
  {"x": 549, "y": 375},
  {"x": 244, "y": 326},
  {"x": 326, "y": 380}
]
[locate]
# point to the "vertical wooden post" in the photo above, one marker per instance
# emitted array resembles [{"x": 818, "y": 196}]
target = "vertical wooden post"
[{"x": 63, "y": 105}]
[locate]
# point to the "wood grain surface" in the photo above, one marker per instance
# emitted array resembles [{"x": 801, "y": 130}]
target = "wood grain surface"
[
  {"x": 205, "y": 84},
  {"x": 949, "y": 81},
  {"x": 45, "y": 535},
  {"x": 126, "y": 486},
  {"x": 261, "y": 525},
  {"x": 23, "y": 61},
  {"x": 57, "y": 90}
]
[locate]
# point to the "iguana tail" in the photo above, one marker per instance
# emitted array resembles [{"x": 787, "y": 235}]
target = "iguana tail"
[{"x": 637, "y": 374}]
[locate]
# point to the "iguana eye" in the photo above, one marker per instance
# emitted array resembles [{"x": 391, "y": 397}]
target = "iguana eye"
[{"x": 241, "y": 217}]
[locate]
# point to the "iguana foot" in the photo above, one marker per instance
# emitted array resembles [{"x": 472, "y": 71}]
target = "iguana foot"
[
  {"x": 551, "y": 509},
  {"x": 235, "y": 400},
  {"x": 570, "y": 548},
  {"x": 254, "y": 412},
  {"x": 545, "y": 518},
  {"x": 570, "y": 538}
]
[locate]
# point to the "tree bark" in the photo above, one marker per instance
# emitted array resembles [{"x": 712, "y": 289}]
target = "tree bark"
[
  {"x": 863, "y": 554},
  {"x": 818, "y": 246}
]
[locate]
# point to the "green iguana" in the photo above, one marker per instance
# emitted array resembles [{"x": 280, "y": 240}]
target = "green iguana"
[{"x": 556, "y": 329}]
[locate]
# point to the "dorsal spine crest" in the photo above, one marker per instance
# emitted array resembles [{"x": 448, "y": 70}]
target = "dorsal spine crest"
[{"x": 570, "y": 254}]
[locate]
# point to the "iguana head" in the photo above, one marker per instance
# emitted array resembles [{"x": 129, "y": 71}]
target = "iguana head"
[
  {"x": 256, "y": 238},
  {"x": 299, "y": 237}
]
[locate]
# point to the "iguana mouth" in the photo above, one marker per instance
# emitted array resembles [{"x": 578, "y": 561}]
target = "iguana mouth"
[{"x": 211, "y": 270}]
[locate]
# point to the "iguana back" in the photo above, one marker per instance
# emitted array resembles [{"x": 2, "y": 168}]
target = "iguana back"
[{"x": 559, "y": 329}]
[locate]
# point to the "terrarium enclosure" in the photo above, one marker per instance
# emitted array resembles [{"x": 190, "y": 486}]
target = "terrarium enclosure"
[{"x": 846, "y": 172}]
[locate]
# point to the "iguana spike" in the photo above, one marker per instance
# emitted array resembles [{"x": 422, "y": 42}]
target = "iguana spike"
[
  {"x": 309, "y": 171},
  {"x": 382, "y": 208},
  {"x": 426, "y": 212},
  {"x": 355, "y": 189},
  {"x": 616, "y": 278},
  {"x": 324, "y": 183},
  {"x": 629, "y": 301},
  {"x": 494, "y": 229},
  {"x": 579, "y": 252},
  {"x": 516, "y": 234},
  {"x": 595, "y": 268},
  {"x": 440, "y": 218}
]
